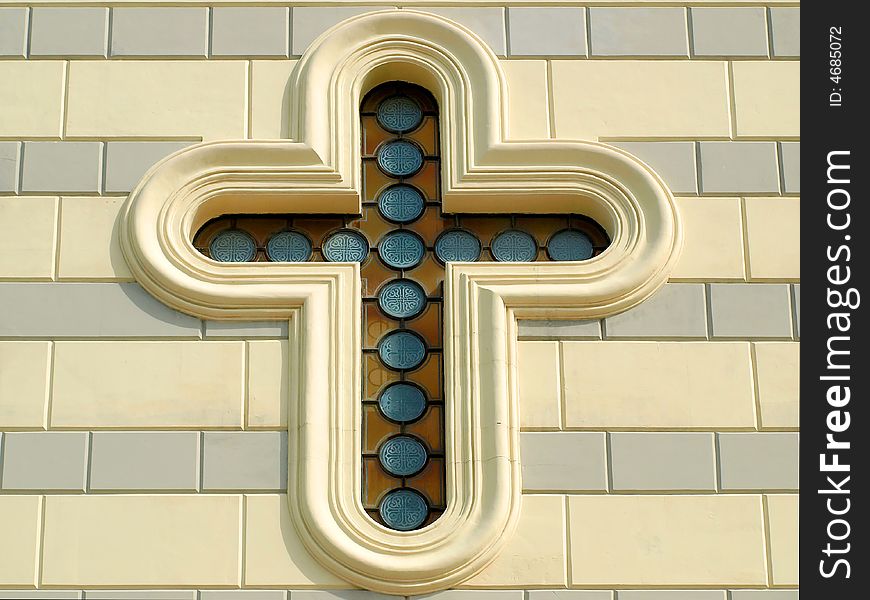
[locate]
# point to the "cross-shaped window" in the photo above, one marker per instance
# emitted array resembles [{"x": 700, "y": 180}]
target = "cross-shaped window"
[{"x": 402, "y": 239}]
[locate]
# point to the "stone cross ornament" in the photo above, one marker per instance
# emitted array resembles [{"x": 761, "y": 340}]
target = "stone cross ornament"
[{"x": 402, "y": 233}]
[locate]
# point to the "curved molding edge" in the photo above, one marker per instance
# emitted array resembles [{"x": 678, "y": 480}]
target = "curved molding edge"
[{"x": 483, "y": 171}]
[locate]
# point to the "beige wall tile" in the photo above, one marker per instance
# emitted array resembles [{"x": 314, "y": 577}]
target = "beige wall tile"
[
  {"x": 767, "y": 97},
  {"x": 712, "y": 239},
  {"x": 129, "y": 540},
  {"x": 19, "y": 522},
  {"x": 777, "y": 367},
  {"x": 535, "y": 555},
  {"x": 34, "y": 109},
  {"x": 658, "y": 384},
  {"x": 538, "y": 369},
  {"x": 773, "y": 230},
  {"x": 158, "y": 98},
  {"x": 148, "y": 384},
  {"x": 527, "y": 81},
  {"x": 268, "y": 394},
  {"x": 634, "y": 98},
  {"x": 667, "y": 541},
  {"x": 23, "y": 383},
  {"x": 270, "y": 98},
  {"x": 274, "y": 554},
  {"x": 89, "y": 246},
  {"x": 27, "y": 237},
  {"x": 782, "y": 514},
  {"x": 528, "y": 116}
]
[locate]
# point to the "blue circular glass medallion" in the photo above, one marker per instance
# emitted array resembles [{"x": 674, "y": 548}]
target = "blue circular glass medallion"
[
  {"x": 400, "y": 158},
  {"x": 346, "y": 246},
  {"x": 514, "y": 246},
  {"x": 457, "y": 245},
  {"x": 403, "y": 509},
  {"x": 402, "y": 455},
  {"x": 402, "y": 402},
  {"x": 401, "y": 249},
  {"x": 399, "y": 114},
  {"x": 402, "y": 299},
  {"x": 233, "y": 245},
  {"x": 570, "y": 244},
  {"x": 288, "y": 246},
  {"x": 402, "y": 350},
  {"x": 401, "y": 203}
]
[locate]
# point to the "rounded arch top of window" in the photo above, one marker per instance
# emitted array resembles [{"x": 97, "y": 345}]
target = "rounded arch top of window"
[{"x": 375, "y": 98}]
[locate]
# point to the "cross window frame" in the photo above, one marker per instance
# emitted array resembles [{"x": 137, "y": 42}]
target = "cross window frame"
[{"x": 483, "y": 171}]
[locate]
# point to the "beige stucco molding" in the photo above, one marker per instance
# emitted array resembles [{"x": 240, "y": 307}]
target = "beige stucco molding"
[{"x": 318, "y": 171}]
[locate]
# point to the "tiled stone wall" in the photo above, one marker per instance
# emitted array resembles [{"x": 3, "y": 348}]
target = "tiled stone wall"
[
  {"x": 534, "y": 594},
  {"x": 143, "y": 448}
]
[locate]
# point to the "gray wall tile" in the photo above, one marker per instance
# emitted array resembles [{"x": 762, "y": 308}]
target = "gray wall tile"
[
  {"x": 68, "y": 31},
  {"x": 62, "y": 167},
  {"x": 785, "y": 26},
  {"x": 140, "y": 594},
  {"x": 675, "y": 310},
  {"x": 672, "y": 595},
  {"x": 126, "y": 162},
  {"x": 738, "y": 167},
  {"x": 246, "y": 329},
  {"x": 791, "y": 166},
  {"x": 563, "y": 461},
  {"x": 137, "y": 460},
  {"x": 549, "y": 329},
  {"x": 343, "y": 595},
  {"x": 13, "y": 31},
  {"x": 465, "y": 595},
  {"x": 487, "y": 22},
  {"x": 547, "y": 31},
  {"x": 750, "y": 310},
  {"x": 796, "y": 290},
  {"x": 638, "y": 31},
  {"x": 250, "y": 31},
  {"x": 308, "y": 22},
  {"x": 674, "y": 161},
  {"x": 570, "y": 595},
  {"x": 729, "y": 31},
  {"x": 62, "y": 310},
  {"x": 9, "y": 166},
  {"x": 663, "y": 461},
  {"x": 759, "y": 461},
  {"x": 159, "y": 31},
  {"x": 40, "y": 594},
  {"x": 244, "y": 460},
  {"x": 764, "y": 595},
  {"x": 243, "y": 595},
  {"x": 45, "y": 460}
]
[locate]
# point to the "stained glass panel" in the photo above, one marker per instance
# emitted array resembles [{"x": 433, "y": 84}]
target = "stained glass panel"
[{"x": 403, "y": 240}]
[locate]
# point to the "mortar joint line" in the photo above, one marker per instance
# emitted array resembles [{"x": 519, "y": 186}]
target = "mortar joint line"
[
  {"x": 209, "y": 33},
  {"x": 110, "y": 24},
  {"x": 507, "y": 38},
  {"x": 551, "y": 102},
  {"x": 28, "y": 34},
  {"x": 765, "y": 515},
  {"x": 732, "y": 100},
  {"x": 690, "y": 32},
  {"x": 780, "y": 167},
  {"x": 768, "y": 28},
  {"x": 588, "y": 30},
  {"x": 708, "y": 301}
]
